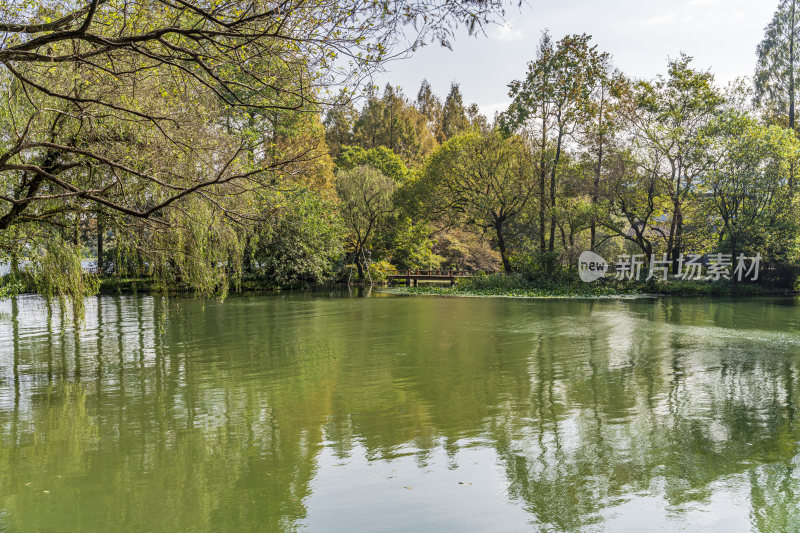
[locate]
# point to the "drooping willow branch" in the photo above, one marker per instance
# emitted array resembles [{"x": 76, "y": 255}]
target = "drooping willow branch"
[{"x": 114, "y": 92}]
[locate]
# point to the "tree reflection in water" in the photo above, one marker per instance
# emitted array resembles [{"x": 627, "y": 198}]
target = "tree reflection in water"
[{"x": 180, "y": 414}]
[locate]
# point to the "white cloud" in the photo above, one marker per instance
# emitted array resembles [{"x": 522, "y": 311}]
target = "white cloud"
[
  {"x": 659, "y": 20},
  {"x": 506, "y": 33},
  {"x": 640, "y": 34},
  {"x": 490, "y": 109}
]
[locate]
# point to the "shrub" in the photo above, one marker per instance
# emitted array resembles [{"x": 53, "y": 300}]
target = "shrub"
[{"x": 379, "y": 271}]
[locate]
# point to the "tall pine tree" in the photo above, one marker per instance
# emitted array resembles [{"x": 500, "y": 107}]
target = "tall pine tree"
[
  {"x": 778, "y": 62},
  {"x": 454, "y": 115},
  {"x": 429, "y": 105}
]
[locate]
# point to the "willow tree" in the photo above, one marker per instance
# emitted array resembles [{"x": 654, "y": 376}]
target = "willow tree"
[
  {"x": 482, "y": 180},
  {"x": 137, "y": 110}
]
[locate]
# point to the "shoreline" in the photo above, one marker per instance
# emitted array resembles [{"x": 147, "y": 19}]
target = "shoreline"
[
  {"x": 110, "y": 286},
  {"x": 534, "y": 293}
]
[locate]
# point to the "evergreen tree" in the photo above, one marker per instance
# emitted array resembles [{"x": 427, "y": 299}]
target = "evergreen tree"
[
  {"x": 392, "y": 122},
  {"x": 427, "y": 103},
  {"x": 777, "y": 68},
  {"x": 454, "y": 115},
  {"x": 339, "y": 125},
  {"x": 431, "y": 108}
]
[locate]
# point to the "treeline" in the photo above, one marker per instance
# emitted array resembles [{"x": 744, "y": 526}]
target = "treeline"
[
  {"x": 183, "y": 142},
  {"x": 237, "y": 170},
  {"x": 584, "y": 158}
]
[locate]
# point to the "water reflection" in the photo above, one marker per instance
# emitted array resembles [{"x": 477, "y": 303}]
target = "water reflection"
[{"x": 346, "y": 413}]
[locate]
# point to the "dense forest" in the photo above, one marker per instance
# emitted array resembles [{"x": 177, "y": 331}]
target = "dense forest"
[{"x": 209, "y": 146}]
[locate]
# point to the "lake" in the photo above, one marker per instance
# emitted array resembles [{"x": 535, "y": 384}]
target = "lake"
[{"x": 334, "y": 412}]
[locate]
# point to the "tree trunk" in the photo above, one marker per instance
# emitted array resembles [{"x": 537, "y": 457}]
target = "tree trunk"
[
  {"x": 359, "y": 262},
  {"x": 100, "y": 236},
  {"x": 675, "y": 228},
  {"x": 791, "y": 89},
  {"x": 14, "y": 265},
  {"x": 551, "y": 245},
  {"x": 791, "y": 68},
  {"x": 678, "y": 244},
  {"x": 16, "y": 210},
  {"x": 501, "y": 245},
  {"x": 542, "y": 191},
  {"x": 597, "y": 171}
]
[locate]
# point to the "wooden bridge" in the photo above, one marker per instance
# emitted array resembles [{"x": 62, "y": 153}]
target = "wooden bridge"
[{"x": 411, "y": 278}]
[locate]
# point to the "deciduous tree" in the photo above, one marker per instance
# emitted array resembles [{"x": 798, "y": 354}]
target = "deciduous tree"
[
  {"x": 666, "y": 123},
  {"x": 481, "y": 180},
  {"x": 549, "y": 103},
  {"x": 366, "y": 202}
]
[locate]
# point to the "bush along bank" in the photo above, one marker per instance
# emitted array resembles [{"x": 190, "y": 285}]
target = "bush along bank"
[{"x": 567, "y": 284}]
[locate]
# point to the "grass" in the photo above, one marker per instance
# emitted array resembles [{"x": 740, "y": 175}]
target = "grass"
[
  {"x": 539, "y": 285},
  {"x": 566, "y": 284}
]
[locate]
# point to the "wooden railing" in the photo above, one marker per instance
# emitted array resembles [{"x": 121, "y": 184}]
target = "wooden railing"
[
  {"x": 431, "y": 273},
  {"x": 413, "y": 277}
]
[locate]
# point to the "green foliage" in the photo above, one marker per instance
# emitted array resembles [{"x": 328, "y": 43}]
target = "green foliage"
[
  {"x": 302, "y": 242},
  {"x": 565, "y": 283},
  {"x": 198, "y": 173},
  {"x": 478, "y": 179},
  {"x": 56, "y": 272},
  {"x": 553, "y": 100},
  {"x": 201, "y": 251},
  {"x": 413, "y": 246},
  {"x": 558, "y": 83},
  {"x": 379, "y": 158},
  {"x": 748, "y": 186},
  {"x": 394, "y": 123},
  {"x": 430, "y": 106},
  {"x": 380, "y": 270},
  {"x": 494, "y": 282},
  {"x": 454, "y": 115},
  {"x": 532, "y": 263},
  {"x": 655, "y": 180},
  {"x": 173, "y": 123},
  {"x": 339, "y": 124},
  {"x": 366, "y": 205},
  {"x": 778, "y": 67},
  {"x": 11, "y": 286}
]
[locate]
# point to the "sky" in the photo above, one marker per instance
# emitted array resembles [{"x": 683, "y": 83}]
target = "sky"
[{"x": 641, "y": 35}]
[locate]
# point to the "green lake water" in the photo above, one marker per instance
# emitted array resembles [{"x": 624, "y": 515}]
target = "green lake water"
[{"x": 332, "y": 412}]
